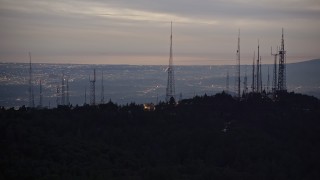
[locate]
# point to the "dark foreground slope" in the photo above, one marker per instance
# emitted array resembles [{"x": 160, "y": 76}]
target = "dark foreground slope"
[{"x": 206, "y": 137}]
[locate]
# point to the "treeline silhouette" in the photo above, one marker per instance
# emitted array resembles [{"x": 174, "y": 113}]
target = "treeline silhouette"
[{"x": 207, "y": 137}]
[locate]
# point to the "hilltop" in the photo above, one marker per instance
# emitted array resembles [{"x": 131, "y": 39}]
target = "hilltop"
[{"x": 200, "y": 138}]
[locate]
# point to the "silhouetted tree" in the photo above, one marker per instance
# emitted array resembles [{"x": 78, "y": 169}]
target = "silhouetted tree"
[{"x": 206, "y": 137}]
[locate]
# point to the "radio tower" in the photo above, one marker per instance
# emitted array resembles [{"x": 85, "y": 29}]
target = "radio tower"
[
  {"x": 58, "y": 95},
  {"x": 93, "y": 89},
  {"x": 63, "y": 96},
  {"x": 274, "y": 79},
  {"x": 102, "y": 89},
  {"x": 40, "y": 98},
  {"x": 253, "y": 71},
  {"x": 245, "y": 84},
  {"x": 67, "y": 99},
  {"x": 170, "y": 91},
  {"x": 258, "y": 71},
  {"x": 282, "y": 67},
  {"x": 31, "y": 96},
  {"x": 85, "y": 95},
  {"x": 227, "y": 83},
  {"x": 268, "y": 81},
  {"x": 260, "y": 76},
  {"x": 238, "y": 67}
]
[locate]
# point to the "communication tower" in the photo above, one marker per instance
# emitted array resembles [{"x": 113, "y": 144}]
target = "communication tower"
[
  {"x": 31, "y": 95},
  {"x": 170, "y": 91},
  {"x": 93, "y": 89},
  {"x": 67, "y": 98},
  {"x": 102, "y": 89},
  {"x": 40, "y": 98},
  {"x": 282, "y": 67},
  {"x": 245, "y": 84},
  {"x": 227, "y": 82},
  {"x": 63, "y": 90},
  {"x": 58, "y": 95},
  {"x": 238, "y": 68},
  {"x": 274, "y": 79},
  {"x": 85, "y": 95},
  {"x": 253, "y": 73},
  {"x": 260, "y": 76},
  {"x": 268, "y": 81},
  {"x": 258, "y": 70}
]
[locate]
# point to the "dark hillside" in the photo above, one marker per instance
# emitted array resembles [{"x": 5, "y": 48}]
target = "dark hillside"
[{"x": 208, "y": 137}]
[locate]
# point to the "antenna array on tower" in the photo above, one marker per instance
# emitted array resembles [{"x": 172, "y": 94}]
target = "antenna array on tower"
[{"x": 282, "y": 67}]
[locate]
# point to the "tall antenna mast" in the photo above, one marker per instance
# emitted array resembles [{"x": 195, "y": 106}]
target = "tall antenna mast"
[
  {"x": 258, "y": 70},
  {"x": 63, "y": 90},
  {"x": 85, "y": 95},
  {"x": 40, "y": 98},
  {"x": 170, "y": 91},
  {"x": 245, "y": 83},
  {"x": 260, "y": 76},
  {"x": 282, "y": 67},
  {"x": 274, "y": 79},
  {"x": 238, "y": 67},
  {"x": 31, "y": 96},
  {"x": 93, "y": 89},
  {"x": 253, "y": 71},
  {"x": 58, "y": 95},
  {"x": 67, "y": 100},
  {"x": 268, "y": 82},
  {"x": 227, "y": 82},
  {"x": 102, "y": 89}
]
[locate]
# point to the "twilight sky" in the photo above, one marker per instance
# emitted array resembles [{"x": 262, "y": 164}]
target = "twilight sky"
[{"x": 138, "y": 31}]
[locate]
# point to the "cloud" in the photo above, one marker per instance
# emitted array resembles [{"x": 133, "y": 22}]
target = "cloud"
[
  {"x": 211, "y": 9},
  {"x": 201, "y": 28}
]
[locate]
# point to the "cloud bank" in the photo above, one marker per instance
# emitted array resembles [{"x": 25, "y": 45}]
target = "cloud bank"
[{"x": 137, "y": 32}]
